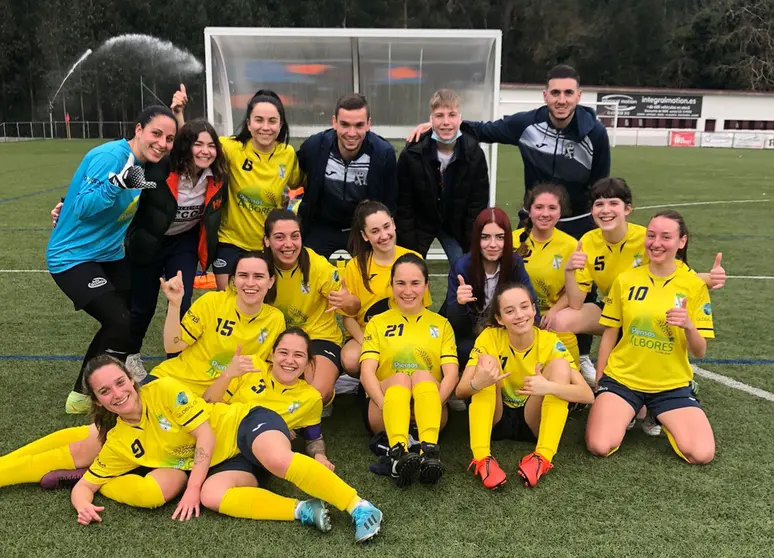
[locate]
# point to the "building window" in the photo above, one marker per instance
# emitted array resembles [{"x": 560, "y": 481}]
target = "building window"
[{"x": 709, "y": 125}]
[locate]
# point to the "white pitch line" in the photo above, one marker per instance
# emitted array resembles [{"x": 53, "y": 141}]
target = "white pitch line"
[
  {"x": 735, "y": 384},
  {"x": 700, "y": 203}
]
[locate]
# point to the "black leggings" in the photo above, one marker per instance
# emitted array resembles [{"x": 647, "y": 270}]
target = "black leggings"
[{"x": 111, "y": 310}]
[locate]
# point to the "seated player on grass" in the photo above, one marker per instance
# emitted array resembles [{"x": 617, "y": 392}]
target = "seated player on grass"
[
  {"x": 309, "y": 291},
  {"x": 409, "y": 354},
  {"x": 367, "y": 274},
  {"x": 219, "y": 322},
  {"x": 519, "y": 380},
  {"x": 545, "y": 249},
  {"x": 662, "y": 313},
  {"x": 602, "y": 255},
  {"x": 155, "y": 433}
]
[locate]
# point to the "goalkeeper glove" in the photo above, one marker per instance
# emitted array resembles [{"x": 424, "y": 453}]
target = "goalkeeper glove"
[{"x": 131, "y": 178}]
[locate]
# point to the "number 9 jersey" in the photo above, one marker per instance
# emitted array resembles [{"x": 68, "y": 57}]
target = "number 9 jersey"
[{"x": 405, "y": 344}]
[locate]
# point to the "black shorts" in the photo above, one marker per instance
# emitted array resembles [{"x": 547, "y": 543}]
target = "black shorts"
[
  {"x": 225, "y": 257},
  {"x": 513, "y": 426},
  {"x": 85, "y": 282},
  {"x": 258, "y": 421},
  {"x": 657, "y": 403},
  {"x": 328, "y": 349},
  {"x": 237, "y": 463}
]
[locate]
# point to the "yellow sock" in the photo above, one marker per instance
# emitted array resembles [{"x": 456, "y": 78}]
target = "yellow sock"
[
  {"x": 481, "y": 416},
  {"x": 553, "y": 415},
  {"x": 257, "y": 503},
  {"x": 57, "y": 439},
  {"x": 134, "y": 490},
  {"x": 31, "y": 468},
  {"x": 612, "y": 451},
  {"x": 396, "y": 413},
  {"x": 571, "y": 343},
  {"x": 674, "y": 444},
  {"x": 318, "y": 481},
  {"x": 427, "y": 411}
]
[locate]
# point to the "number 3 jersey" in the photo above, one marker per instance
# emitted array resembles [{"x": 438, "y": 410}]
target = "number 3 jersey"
[
  {"x": 405, "y": 344},
  {"x": 653, "y": 356},
  {"x": 162, "y": 438},
  {"x": 545, "y": 347},
  {"x": 607, "y": 261},
  {"x": 213, "y": 328}
]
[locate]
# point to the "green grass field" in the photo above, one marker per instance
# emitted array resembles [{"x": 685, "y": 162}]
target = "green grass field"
[{"x": 644, "y": 501}]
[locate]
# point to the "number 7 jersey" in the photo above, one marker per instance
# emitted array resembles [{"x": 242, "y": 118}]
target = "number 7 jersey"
[{"x": 405, "y": 344}]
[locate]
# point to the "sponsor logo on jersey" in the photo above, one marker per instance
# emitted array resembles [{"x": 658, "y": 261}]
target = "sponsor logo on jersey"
[
  {"x": 569, "y": 150},
  {"x": 404, "y": 365},
  {"x": 435, "y": 333},
  {"x": 560, "y": 347},
  {"x": 181, "y": 399},
  {"x": 360, "y": 178},
  {"x": 97, "y": 282},
  {"x": 219, "y": 263},
  {"x": 707, "y": 308},
  {"x": 644, "y": 335},
  {"x": 336, "y": 275},
  {"x": 257, "y": 428}
]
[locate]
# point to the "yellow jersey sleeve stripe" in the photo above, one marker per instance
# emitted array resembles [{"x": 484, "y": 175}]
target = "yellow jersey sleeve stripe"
[
  {"x": 371, "y": 352},
  {"x": 193, "y": 418},
  {"x": 191, "y": 335},
  {"x": 603, "y": 316},
  {"x": 89, "y": 470}
]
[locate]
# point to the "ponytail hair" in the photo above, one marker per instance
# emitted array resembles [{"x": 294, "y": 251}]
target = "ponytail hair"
[
  {"x": 529, "y": 198},
  {"x": 103, "y": 419},
  {"x": 682, "y": 253},
  {"x": 276, "y": 215},
  {"x": 358, "y": 246}
]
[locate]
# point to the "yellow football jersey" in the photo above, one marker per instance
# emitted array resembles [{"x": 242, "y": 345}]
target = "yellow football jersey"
[
  {"x": 162, "y": 439},
  {"x": 212, "y": 328},
  {"x": 606, "y": 261},
  {"x": 545, "y": 265},
  {"x": 653, "y": 356},
  {"x": 256, "y": 182},
  {"x": 545, "y": 347},
  {"x": 380, "y": 297},
  {"x": 304, "y": 304},
  {"x": 400, "y": 343},
  {"x": 299, "y": 405}
]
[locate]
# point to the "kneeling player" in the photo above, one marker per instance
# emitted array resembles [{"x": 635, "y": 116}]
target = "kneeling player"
[
  {"x": 520, "y": 379},
  {"x": 663, "y": 310},
  {"x": 409, "y": 353}
]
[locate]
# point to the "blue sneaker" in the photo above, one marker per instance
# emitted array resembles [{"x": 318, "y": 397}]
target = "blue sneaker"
[
  {"x": 314, "y": 512},
  {"x": 367, "y": 519}
]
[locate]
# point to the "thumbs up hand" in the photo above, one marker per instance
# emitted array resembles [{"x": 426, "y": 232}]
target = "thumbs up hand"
[
  {"x": 239, "y": 365},
  {"x": 577, "y": 260},
  {"x": 179, "y": 100},
  {"x": 464, "y": 292},
  {"x": 679, "y": 316},
  {"x": 717, "y": 273},
  {"x": 338, "y": 299},
  {"x": 537, "y": 384},
  {"x": 173, "y": 289}
]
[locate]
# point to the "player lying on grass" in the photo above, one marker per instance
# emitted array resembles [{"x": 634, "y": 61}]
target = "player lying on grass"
[
  {"x": 654, "y": 317},
  {"x": 220, "y": 321},
  {"x": 85, "y": 253},
  {"x": 545, "y": 250},
  {"x": 309, "y": 291},
  {"x": 409, "y": 355},
  {"x": 602, "y": 255},
  {"x": 519, "y": 379},
  {"x": 367, "y": 274}
]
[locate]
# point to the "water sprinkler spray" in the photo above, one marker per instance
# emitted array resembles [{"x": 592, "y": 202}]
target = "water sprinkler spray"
[{"x": 83, "y": 57}]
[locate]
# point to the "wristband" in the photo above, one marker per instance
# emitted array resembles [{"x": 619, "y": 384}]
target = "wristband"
[{"x": 473, "y": 386}]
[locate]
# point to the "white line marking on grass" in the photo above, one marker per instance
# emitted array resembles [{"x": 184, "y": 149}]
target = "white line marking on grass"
[
  {"x": 700, "y": 203},
  {"x": 23, "y": 271},
  {"x": 751, "y": 277},
  {"x": 730, "y": 382}
]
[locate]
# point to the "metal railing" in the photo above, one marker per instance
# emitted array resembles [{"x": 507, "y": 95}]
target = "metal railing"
[{"x": 19, "y": 131}]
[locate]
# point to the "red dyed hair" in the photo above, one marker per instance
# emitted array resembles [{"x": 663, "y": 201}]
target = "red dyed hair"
[{"x": 477, "y": 276}]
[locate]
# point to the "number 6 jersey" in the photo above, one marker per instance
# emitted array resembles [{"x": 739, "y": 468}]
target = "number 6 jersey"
[{"x": 405, "y": 344}]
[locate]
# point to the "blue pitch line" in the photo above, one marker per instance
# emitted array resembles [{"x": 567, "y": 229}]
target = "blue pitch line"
[
  {"x": 4, "y": 200},
  {"x": 159, "y": 358}
]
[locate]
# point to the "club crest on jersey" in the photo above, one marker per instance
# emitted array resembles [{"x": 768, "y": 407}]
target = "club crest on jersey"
[
  {"x": 305, "y": 289},
  {"x": 263, "y": 335},
  {"x": 556, "y": 263},
  {"x": 679, "y": 298},
  {"x": 569, "y": 150},
  {"x": 360, "y": 178},
  {"x": 294, "y": 406},
  {"x": 637, "y": 260},
  {"x": 164, "y": 424},
  {"x": 181, "y": 399},
  {"x": 336, "y": 275},
  {"x": 435, "y": 333},
  {"x": 282, "y": 171}
]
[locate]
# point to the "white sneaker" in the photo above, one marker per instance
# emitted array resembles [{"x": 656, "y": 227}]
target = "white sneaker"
[
  {"x": 587, "y": 370},
  {"x": 457, "y": 405},
  {"x": 631, "y": 424},
  {"x": 347, "y": 385},
  {"x": 135, "y": 367},
  {"x": 650, "y": 426}
]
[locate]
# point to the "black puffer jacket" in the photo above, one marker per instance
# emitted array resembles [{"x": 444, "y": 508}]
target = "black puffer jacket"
[
  {"x": 425, "y": 206},
  {"x": 156, "y": 213}
]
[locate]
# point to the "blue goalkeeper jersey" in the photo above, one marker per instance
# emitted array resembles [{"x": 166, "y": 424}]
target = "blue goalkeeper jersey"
[{"x": 96, "y": 214}]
